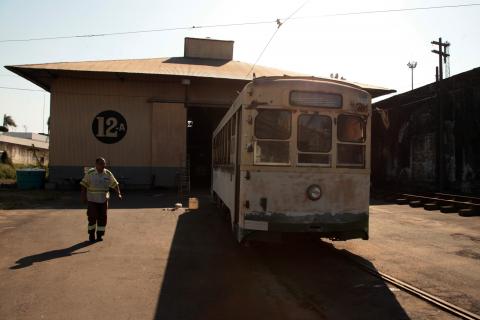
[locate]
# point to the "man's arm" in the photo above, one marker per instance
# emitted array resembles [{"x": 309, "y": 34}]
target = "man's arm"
[
  {"x": 115, "y": 185},
  {"x": 117, "y": 189}
]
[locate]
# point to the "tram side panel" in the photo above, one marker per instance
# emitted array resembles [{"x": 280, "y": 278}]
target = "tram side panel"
[
  {"x": 224, "y": 176},
  {"x": 224, "y": 186}
]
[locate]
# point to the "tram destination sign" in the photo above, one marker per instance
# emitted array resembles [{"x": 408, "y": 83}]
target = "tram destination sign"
[
  {"x": 109, "y": 127},
  {"x": 316, "y": 99}
]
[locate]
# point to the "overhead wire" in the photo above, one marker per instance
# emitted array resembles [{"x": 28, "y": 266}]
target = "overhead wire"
[
  {"x": 279, "y": 24},
  {"x": 387, "y": 11},
  {"x": 238, "y": 23},
  {"x": 138, "y": 31}
]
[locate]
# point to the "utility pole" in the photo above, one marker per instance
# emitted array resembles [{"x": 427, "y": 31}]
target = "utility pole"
[
  {"x": 440, "y": 158},
  {"x": 442, "y": 54},
  {"x": 412, "y": 65}
]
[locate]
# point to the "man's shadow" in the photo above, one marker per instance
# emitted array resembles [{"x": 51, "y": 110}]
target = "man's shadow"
[{"x": 49, "y": 255}]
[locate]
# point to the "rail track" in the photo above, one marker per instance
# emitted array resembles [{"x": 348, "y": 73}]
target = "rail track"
[
  {"x": 466, "y": 206},
  {"x": 430, "y": 298}
]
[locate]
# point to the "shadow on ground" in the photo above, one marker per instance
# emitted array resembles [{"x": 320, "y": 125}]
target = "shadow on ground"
[
  {"x": 210, "y": 276},
  {"x": 50, "y": 255},
  {"x": 47, "y": 199}
]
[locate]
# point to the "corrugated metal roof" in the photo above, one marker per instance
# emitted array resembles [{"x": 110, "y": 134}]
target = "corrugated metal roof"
[
  {"x": 178, "y": 66},
  {"x": 192, "y": 67}
]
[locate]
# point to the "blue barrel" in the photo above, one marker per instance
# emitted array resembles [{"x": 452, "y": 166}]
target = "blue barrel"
[{"x": 30, "y": 178}]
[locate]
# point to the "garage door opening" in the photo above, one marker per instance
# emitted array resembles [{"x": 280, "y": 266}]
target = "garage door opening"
[{"x": 201, "y": 122}]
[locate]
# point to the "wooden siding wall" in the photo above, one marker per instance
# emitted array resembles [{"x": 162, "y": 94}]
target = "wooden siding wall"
[
  {"x": 168, "y": 134},
  {"x": 75, "y": 103}
]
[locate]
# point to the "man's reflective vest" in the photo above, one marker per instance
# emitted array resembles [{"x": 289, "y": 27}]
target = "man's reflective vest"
[{"x": 98, "y": 184}]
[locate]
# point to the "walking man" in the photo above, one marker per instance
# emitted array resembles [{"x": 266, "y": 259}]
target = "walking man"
[{"x": 95, "y": 192}]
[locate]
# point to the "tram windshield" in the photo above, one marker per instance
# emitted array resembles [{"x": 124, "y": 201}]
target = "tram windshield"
[
  {"x": 272, "y": 130},
  {"x": 351, "y": 128},
  {"x": 314, "y": 133},
  {"x": 351, "y": 136},
  {"x": 314, "y": 139},
  {"x": 273, "y": 124}
]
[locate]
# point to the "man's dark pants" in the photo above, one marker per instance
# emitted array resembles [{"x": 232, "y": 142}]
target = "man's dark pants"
[{"x": 97, "y": 217}]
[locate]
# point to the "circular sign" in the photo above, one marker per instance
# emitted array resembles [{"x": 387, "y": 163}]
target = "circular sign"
[{"x": 109, "y": 127}]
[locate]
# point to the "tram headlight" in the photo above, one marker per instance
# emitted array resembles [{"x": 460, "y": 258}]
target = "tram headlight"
[{"x": 314, "y": 192}]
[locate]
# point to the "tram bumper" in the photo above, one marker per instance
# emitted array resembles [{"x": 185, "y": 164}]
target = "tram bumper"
[{"x": 338, "y": 226}]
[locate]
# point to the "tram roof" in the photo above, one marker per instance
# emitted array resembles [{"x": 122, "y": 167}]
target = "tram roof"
[{"x": 44, "y": 74}]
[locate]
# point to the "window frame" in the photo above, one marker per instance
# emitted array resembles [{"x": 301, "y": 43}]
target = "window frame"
[
  {"x": 364, "y": 128},
  {"x": 353, "y": 165},
  {"x": 328, "y": 153},
  {"x": 362, "y": 144},
  {"x": 224, "y": 144},
  {"x": 287, "y": 140},
  {"x": 276, "y": 109}
]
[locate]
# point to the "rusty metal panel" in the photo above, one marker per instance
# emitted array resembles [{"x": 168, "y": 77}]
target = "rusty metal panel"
[
  {"x": 423, "y": 157},
  {"x": 286, "y": 192},
  {"x": 429, "y": 138}
]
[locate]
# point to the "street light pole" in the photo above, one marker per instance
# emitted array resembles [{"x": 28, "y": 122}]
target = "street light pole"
[{"x": 412, "y": 65}]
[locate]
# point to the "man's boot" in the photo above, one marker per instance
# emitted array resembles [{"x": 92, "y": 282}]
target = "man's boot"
[
  {"x": 91, "y": 236},
  {"x": 99, "y": 236}
]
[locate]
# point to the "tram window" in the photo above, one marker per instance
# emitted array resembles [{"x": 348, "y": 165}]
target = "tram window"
[
  {"x": 224, "y": 145},
  {"x": 314, "y": 133},
  {"x": 273, "y": 124},
  {"x": 234, "y": 124},
  {"x": 351, "y": 155},
  {"x": 227, "y": 143},
  {"x": 351, "y": 129},
  {"x": 272, "y": 152},
  {"x": 314, "y": 158},
  {"x": 214, "y": 153},
  {"x": 232, "y": 139}
]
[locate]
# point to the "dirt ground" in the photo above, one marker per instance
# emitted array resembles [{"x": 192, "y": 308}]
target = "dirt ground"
[{"x": 159, "y": 263}]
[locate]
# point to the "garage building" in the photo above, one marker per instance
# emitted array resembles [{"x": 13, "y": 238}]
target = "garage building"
[{"x": 135, "y": 112}]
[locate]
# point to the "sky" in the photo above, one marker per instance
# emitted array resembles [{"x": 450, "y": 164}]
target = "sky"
[{"x": 366, "y": 48}]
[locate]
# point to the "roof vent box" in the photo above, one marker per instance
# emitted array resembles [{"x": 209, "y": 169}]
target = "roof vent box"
[{"x": 208, "y": 49}]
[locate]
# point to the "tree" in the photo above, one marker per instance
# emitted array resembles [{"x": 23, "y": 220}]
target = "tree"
[{"x": 8, "y": 122}]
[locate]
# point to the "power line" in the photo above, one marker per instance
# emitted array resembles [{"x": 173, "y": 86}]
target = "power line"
[
  {"x": 388, "y": 11},
  {"x": 22, "y": 89},
  {"x": 238, "y": 23},
  {"x": 138, "y": 31},
  {"x": 279, "y": 24}
]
